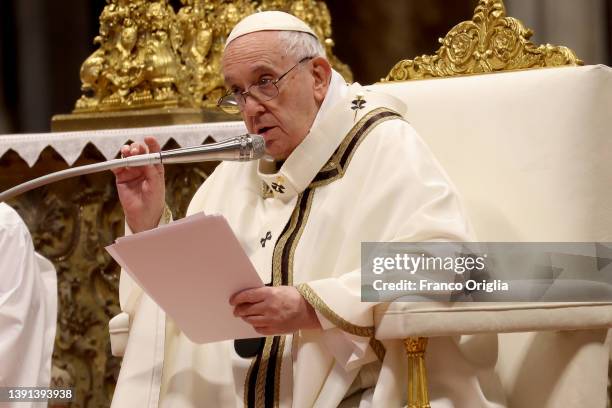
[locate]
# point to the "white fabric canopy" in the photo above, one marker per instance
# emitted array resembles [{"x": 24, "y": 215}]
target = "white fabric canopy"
[{"x": 70, "y": 145}]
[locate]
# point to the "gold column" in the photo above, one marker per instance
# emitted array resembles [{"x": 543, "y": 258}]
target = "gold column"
[{"x": 418, "y": 395}]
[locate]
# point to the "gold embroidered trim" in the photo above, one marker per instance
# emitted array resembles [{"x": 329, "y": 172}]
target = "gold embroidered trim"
[
  {"x": 277, "y": 256},
  {"x": 246, "y": 385},
  {"x": 166, "y": 216},
  {"x": 279, "y": 361},
  {"x": 266, "y": 192},
  {"x": 335, "y": 162},
  {"x": 297, "y": 222},
  {"x": 378, "y": 348},
  {"x": 298, "y": 235},
  {"x": 363, "y": 331},
  {"x": 300, "y": 222},
  {"x": 318, "y": 303},
  {"x": 260, "y": 385}
]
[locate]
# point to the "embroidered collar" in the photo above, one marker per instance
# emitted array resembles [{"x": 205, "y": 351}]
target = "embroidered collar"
[{"x": 333, "y": 122}]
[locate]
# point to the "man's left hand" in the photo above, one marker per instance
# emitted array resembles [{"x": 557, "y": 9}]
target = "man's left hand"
[{"x": 274, "y": 310}]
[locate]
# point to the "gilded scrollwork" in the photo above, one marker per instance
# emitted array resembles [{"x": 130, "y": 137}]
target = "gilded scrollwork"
[
  {"x": 201, "y": 29},
  {"x": 149, "y": 56},
  {"x": 135, "y": 65},
  {"x": 490, "y": 42}
]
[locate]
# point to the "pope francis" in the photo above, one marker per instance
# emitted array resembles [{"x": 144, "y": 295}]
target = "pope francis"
[{"x": 342, "y": 167}]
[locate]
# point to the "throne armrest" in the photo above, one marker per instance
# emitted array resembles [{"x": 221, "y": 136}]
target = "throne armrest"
[{"x": 425, "y": 319}]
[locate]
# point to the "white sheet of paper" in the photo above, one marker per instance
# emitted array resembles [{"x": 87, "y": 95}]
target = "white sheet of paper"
[{"x": 190, "y": 268}]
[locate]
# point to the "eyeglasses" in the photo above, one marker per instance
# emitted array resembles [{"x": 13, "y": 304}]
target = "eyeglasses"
[{"x": 265, "y": 89}]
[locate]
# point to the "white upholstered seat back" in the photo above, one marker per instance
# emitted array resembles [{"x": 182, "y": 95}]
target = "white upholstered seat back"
[
  {"x": 530, "y": 151},
  {"x": 531, "y": 155}
]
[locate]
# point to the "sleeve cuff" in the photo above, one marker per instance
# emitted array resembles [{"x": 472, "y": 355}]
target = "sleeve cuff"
[
  {"x": 166, "y": 218},
  {"x": 331, "y": 320}
]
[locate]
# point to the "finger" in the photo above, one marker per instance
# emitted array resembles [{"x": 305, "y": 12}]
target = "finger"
[
  {"x": 137, "y": 148},
  {"x": 249, "y": 309},
  {"x": 248, "y": 296},
  {"x": 152, "y": 144},
  {"x": 129, "y": 175},
  {"x": 125, "y": 150},
  {"x": 257, "y": 321},
  {"x": 267, "y": 331},
  {"x": 118, "y": 171}
]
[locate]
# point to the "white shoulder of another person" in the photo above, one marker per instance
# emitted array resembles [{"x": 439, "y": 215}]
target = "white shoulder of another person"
[{"x": 10, "y": 220}]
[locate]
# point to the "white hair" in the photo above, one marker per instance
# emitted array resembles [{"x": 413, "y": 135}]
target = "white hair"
[{"x": 300, "y": 45}]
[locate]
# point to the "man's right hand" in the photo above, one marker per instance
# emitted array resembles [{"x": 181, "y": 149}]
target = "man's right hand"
[{"x": 142, "y": 189}]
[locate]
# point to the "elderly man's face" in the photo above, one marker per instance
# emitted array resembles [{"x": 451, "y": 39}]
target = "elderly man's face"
[{"x": 285, "y": 120}]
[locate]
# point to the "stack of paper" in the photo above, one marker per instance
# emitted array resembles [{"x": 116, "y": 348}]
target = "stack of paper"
[{"x": 190, "y": 268}]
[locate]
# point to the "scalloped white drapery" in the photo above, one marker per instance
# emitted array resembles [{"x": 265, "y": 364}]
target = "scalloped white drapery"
[{"x": 70, "y": 145}]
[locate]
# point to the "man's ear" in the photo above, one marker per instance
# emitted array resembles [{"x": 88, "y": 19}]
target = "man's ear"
[{"x": 321, "y": 72}]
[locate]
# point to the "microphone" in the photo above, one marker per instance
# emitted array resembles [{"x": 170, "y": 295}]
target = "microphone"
[{"x": 242, "y": 148}]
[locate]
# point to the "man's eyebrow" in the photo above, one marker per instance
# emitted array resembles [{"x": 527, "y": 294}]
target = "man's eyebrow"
[
  {"x": 257, "y": 69},
  {"x": 262, "y": 67}
]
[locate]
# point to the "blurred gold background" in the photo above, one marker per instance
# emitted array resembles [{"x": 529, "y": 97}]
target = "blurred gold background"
[{"x": 44, "y": 43}]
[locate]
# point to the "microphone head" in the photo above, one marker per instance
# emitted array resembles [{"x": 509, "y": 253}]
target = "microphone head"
[{"x": 258, "y": 145}]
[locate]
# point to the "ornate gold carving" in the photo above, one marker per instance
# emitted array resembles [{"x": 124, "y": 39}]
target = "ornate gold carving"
[
  {"x": 136, "y": 65},
  {"x": 200, "y": 32},
  {"x": 150, "y": 56},
  {"x": 489, "y": 42},
  {"x": 418, "y": 395},
  {"x": 71, "y": 222}
]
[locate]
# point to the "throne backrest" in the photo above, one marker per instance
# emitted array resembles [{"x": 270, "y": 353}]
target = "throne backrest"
[
  {"x": 529, "y": 151},
  {"x": 530, "y": 154}
]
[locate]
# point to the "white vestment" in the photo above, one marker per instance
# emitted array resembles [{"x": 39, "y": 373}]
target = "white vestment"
[
  {"x": 28, "y": 308},
  {"x": 361, "y": 174}
]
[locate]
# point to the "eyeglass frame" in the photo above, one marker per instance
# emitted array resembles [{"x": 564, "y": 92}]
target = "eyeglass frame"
[{"x": 246, "y": 93}]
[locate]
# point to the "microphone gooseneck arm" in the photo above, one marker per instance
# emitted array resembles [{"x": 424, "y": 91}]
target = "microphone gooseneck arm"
[{"x": 241, "y": 148}]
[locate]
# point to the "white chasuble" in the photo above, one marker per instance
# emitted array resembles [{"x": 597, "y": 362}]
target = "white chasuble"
[{"x": 361, "y": 174}]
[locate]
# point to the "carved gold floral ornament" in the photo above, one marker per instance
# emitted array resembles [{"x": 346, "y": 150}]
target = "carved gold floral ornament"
[{"x": 489, "y": 42}]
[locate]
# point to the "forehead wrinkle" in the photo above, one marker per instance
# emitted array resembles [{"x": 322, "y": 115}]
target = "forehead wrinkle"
[{"x": 256, "y": 51}]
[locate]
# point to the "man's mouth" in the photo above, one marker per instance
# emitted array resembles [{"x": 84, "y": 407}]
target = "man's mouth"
[{"x": 262, "y": 131}]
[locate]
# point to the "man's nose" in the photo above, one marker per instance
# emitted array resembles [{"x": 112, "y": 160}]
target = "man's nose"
[{"x": 252, "y": 106}]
